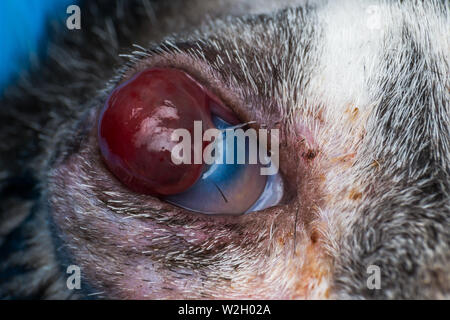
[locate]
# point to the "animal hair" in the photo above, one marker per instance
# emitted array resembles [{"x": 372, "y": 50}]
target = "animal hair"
[{"x": 375, "y": 105}]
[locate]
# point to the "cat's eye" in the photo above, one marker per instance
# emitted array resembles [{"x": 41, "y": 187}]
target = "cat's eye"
[{"x": 136, "y": 138}]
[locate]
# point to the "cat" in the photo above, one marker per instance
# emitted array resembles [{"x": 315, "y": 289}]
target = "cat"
[{"x": 360, "y": 93}]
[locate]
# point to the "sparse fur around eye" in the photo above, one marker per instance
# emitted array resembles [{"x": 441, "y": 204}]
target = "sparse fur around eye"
[{"x": 376, "y": 99}]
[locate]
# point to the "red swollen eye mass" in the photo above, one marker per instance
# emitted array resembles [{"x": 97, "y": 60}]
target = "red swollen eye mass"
[{"x": 136, "y": 125}]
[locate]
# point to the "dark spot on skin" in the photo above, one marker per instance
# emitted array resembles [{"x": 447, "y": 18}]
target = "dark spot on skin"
[
  {"x": 375, "y": 164},
  {"x": 309, "y": 155},
  {"x": 314, "y": 237},
  {"x": 352, "y": 112},
  {"x": 355, "y": 195}
]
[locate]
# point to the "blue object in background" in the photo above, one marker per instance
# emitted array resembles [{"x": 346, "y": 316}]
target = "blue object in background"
[{"x": 23, "y": 33}]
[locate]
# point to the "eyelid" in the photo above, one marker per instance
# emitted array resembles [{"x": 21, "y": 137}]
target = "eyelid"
[{"x": 183, "y": 56}]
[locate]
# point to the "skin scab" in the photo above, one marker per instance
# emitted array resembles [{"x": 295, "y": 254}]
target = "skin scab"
[
  {"x": 355, "y": 195},
  {"x": 309, "y": 155},
  {"x": 352, "y": 112},
  {"x": 344, "y": 160},
  {"x": 317, "y": 275},
  {"x": 375, "y": 164},
  {"x": 314, "y": 237}
]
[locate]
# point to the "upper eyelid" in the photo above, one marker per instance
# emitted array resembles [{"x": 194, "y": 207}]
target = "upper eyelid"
[
  {"x": 162, "y": 51},
  {"x": 182, "y": 56}
]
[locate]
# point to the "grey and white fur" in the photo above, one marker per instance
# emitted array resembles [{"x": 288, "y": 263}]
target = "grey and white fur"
[{"x": 362, "y": 100}]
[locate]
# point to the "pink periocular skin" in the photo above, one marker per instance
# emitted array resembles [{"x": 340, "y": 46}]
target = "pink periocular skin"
[{"x": 137, "y": 122}]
